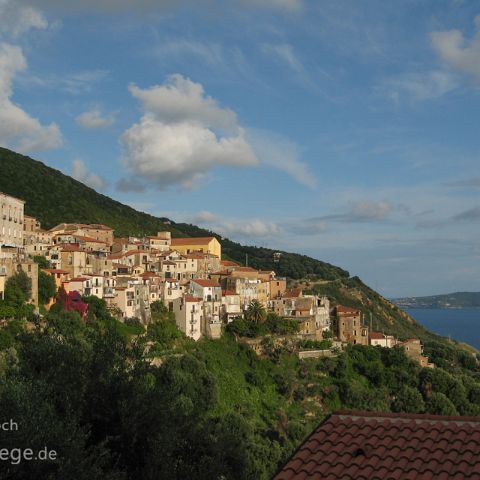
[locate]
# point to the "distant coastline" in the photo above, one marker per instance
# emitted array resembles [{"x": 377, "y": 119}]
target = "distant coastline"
[{"x": 449, "y": 301}]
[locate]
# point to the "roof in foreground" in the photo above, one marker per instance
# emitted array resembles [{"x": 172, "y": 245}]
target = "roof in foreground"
[{"x": 353, "y": 445}]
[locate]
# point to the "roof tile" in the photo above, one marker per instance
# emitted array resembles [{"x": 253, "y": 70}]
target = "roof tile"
[{"x": 354, "y": 445}]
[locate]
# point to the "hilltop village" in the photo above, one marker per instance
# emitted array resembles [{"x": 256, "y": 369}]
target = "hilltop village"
[{"x": 188, "y": 276}]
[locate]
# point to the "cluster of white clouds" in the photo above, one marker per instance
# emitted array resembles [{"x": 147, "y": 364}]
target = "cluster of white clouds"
[
  {"x": 18, "y": 129},
  {"x": 16, "y": 19},
  {"x": 237, "y": 228},
  {"x": 153, "y": 5},
  {"x": 454, "y": 49},
  {"x": 184, "y": 133},
  {"x": 94, "y": 119}
]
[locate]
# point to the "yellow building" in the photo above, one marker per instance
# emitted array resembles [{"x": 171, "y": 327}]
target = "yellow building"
[{"x": 197, "y": 244}]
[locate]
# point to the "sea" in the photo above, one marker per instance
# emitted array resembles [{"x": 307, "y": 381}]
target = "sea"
[{"x": 462, "y": 324}]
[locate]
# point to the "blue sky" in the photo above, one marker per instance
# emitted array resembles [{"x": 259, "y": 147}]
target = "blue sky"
[{"x": 345, "y": 130}]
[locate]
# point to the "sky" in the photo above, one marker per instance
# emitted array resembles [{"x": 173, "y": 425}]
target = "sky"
[{"x": 345, "y": 130}]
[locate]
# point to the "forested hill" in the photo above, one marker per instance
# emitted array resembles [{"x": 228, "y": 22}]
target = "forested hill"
[{"x": 54, "y": 197}]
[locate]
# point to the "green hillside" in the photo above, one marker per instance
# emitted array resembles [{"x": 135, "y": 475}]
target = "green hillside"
[{"x": 54, "y": 197}]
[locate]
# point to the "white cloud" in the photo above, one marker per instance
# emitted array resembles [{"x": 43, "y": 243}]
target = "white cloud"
[
  {"x": 254, "y": 227},
  {"x": 457, "y": 52},
  {"x": 94, "y": 119},
  {"x": 285, "y": 53},
  {"x": 204, "y": 217},
  {"x": 363, "y": 211},
  {"x": 210, "y": 53},
  {"x": 184, "y": 133},
  {"x": 18, "y": 129},
  {"x": 81, "y": 173},
  {"x": 143, "y": 6},
  {"x": 419, "y": 86},
  {"x": 180, "y": 99},
  {"x": 74, "y": 83},
  {"x": 287, "y": 5},
  {"x": 251, "y": 228},
  {"x": 279, "y": 152},
  {"x": 16, "y": 19},
  {"x": 180, "y": 153},
  {"x": 176, "y": 141}
]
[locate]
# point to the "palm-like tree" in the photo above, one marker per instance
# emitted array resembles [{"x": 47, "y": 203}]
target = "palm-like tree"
[{"x": 256, "y": 312}]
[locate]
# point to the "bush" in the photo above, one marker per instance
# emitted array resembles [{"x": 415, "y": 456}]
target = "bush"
[{"x": 439, "y": 404}]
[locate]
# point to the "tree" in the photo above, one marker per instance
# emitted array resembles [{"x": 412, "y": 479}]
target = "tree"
[
  {"x": 408, "y": 400},
  {"x": 42, "y": 261},
  {"x": 439, "y": 404},
  {"x": 18, "y": 289},
  {"x": 46, "y": 287},
  {"x": 256, "y": 312}
]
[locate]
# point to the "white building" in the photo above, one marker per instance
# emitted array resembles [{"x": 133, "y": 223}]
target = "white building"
[
  {"x": 189, "y": 315},
  {"x": 11, "y": 221}
]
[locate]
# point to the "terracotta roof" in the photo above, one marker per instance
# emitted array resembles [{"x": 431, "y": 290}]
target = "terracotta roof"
[
  {"x": 376, "y": 335},
  {"x": 354, "y": 445},
  {"x": 71, "y": 248},
  {"x": 191, "y": 241},
  {"x": 80, "y": 279},
  {"x": 228, "y": 292},
  {"x": 292, "y": 293},
  {"x": 97, "y": 226},
  {"x": 55, "y": 270},
  {"x": 88, "y": 239},
  {"x": 197, "y": 256},
  {"x": 206, "y": 283},
  {"x": 246, "y": 269},
  {"x": 228, "y": 263},
  {"x": 191, "y": 298},
  {"x": 349, "y": 310},
  {"x": 148, "y": 274}
]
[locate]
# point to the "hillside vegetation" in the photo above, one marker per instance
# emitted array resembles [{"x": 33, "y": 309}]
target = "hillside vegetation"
[
  {"x": 207, "y": 410},
  {"x": 54, "y": 197}
]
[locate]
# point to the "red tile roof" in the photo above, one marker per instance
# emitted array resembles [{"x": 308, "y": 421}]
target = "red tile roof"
[
  {"x": 245, "y": 269},
  {"x": 353, "y": 445},
  {"x": 228, "y": 292},
  {"x": 228, "y": 263},
  {"x": 70, "y": 248},
  {"x": 293, "y": 293},
  {"x": 376, "y": 335},
  {"x": 346, "y": 310},
  {"x": 191, "y": 298},
  {"x": 87, "y": 239}
]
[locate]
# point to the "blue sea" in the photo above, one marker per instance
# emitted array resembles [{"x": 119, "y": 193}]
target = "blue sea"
[{"x": 461, "y": 324}]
